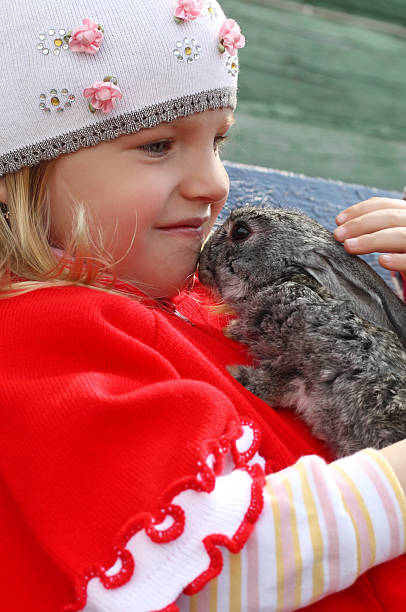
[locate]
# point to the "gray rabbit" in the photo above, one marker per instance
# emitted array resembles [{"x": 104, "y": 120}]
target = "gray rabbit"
[{"x": 327, "y": 334}]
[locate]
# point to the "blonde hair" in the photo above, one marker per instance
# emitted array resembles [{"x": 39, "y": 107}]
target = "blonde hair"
[{"x": 27, "y": 261}]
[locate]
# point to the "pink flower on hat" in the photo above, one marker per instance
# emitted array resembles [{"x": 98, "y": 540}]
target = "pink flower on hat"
[
  {"x": 231, "y": 37},
  {"x": 86, "y": 38},
  {"x": 187, "y": 10},
  {"x": 103, "y": 95}
]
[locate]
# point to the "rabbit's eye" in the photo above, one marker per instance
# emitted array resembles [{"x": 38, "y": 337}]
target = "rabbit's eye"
[{"x": 240, "y": 231}]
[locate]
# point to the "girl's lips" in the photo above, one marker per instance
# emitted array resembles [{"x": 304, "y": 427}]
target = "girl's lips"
[
  {"x": 184, "y": 231},
  {"x": 187, "y": 228}
]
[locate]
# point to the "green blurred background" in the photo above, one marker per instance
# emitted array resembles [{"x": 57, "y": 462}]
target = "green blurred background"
[{"x": 322, "y": 89}]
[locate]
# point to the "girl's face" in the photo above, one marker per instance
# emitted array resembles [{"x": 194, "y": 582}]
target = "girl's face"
[{"x": 168, "y": 183}]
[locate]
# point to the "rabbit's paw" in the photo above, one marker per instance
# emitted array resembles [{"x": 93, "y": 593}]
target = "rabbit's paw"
[
  {"x": 240, "y": 373},
  {"x": 233, "y": 370},
  {"x": 233, "y": 330},
  {"x": 250, "y": 378}
]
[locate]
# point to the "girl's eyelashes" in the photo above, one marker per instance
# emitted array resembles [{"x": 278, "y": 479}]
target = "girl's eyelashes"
[
  {"x": 160, "y": 148},
  {"x": 220, "y": 142},
  {"x": 157, "y": 148}
]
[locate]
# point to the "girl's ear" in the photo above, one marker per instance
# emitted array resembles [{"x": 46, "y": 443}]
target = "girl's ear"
[{"x": 3, "y": 191}]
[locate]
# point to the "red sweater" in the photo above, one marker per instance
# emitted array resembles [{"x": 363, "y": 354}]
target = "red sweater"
[{"x": 106, "y": 402}]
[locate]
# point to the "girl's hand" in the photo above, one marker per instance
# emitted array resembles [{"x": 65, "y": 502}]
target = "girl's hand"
[{"x": 375, "y": 225}]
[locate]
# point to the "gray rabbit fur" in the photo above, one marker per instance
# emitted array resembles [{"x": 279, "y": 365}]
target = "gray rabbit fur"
[{"x": 327, "y": 334}]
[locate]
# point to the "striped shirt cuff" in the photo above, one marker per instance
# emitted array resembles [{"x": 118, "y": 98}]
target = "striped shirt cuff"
[
  {"x": 330, "y": 524},
  {"x": 376, "y": 504}
]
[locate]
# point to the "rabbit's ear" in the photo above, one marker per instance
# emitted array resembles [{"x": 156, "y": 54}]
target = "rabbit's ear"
[{"x": 354, "y": 280}]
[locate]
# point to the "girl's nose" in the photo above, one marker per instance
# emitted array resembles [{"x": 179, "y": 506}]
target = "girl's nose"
[{"x": 205, "y": 179}]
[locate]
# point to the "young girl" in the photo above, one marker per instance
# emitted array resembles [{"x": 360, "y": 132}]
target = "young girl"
[{"x": 136, "y": 473}]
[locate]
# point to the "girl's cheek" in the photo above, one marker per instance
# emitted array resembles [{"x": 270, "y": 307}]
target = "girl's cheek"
[
  {"x": 216, "y": 210},
  {"x": 61, "y": 223}
]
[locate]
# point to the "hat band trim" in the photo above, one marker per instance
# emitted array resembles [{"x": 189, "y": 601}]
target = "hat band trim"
[{"x": 113, "y": 127}]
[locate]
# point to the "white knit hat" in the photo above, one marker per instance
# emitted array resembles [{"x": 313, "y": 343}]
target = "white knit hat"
[{"x": 77, "y": 72}]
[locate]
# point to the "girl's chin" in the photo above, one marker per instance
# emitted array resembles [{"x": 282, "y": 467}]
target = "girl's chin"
[
  {"x": 172, "y": 291},
  {"x": 161, "y": 290},
  {"x": 165, "y": 284}
]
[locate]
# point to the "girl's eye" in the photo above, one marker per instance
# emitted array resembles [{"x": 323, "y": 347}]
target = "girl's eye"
[
  {"x": 219, "y": 143},
  {"x": 157, "y": 149}
]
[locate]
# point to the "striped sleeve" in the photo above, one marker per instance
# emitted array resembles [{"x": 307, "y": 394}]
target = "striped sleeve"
[{"x": 321, "y": 527}]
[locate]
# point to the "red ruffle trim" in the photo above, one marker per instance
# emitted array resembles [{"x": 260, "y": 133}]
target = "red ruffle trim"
[{"x": 204, "y": 481}]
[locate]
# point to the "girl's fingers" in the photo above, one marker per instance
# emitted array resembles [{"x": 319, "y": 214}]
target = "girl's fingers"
[
  {"x": 371, "y": 222},
  {"x": 367, "y": 206},
  {"x": 392, "y": 240},
  {"x": 376, "y": 225},
  {"x": 393, "y": 261}
]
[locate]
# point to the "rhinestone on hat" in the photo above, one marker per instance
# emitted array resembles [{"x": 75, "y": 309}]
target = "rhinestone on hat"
[
  {"x": 57, "y": 102},
  {"x": 211, "y": 10},
  {"x": 232, "y": 65},
  {"x": 188, "y": 49},
  {"x": 52, "y": 41}
]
